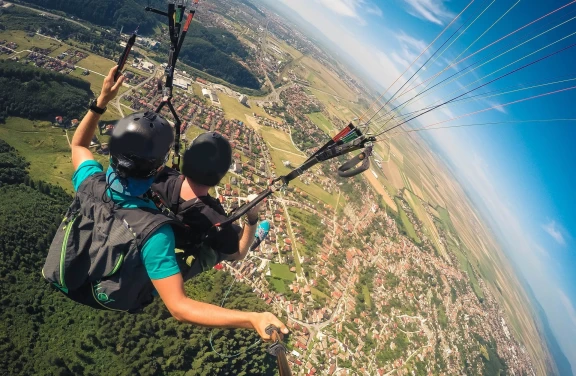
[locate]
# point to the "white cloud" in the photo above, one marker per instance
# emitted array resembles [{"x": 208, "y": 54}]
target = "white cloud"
[
  {"x": 399, "y": 60},
  {"x": 411, "y": 47},
  {"x": 431, "y": 10},
  {"x": 351, "y": 8},
  {"x": 497, "y": 107},
  {"x": 555, "y": 232},
  {"x": 346, "y": 8},
  {"x": 374, "y": 9}
]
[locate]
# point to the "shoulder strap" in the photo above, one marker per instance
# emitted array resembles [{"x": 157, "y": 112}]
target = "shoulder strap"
[
  {"x": 96, "y": 186},
  {"x": 175, "y": 199}
]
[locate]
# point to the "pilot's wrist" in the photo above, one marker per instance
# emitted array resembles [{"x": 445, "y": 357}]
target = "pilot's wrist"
[{"x": 251, "y": 219}]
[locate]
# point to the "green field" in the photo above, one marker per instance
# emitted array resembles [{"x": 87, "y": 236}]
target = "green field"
[
  {"x": 45, "y": 147},
  {"x": 197, "y": 90},
  {"x": 474, "y": 281},
  {"x": 234, "y": 110},
  {"x": 282, "y": 271},
  {"x": 311, "y": 229},
  {"x": 366, "y": 293},
  {"x": 322, "y": 122},
  {"x": 279, "y": 285},
  {"x": 407, "y": 224},
  {"x": 25, "y": 42},
  {"x": 318, "y": 293},
  {"x": 445, "y": 218},
  {"x": 456, "y": 246},
  {"x": 282, "y": 149}
]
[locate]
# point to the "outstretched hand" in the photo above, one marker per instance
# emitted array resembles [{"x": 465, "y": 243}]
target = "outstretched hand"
[
  {"x": 263, "y": 320},
  {"x": 110, "y": 88}
]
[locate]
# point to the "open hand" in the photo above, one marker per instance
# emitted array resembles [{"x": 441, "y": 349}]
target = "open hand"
[{"x": 110, "y": 88}]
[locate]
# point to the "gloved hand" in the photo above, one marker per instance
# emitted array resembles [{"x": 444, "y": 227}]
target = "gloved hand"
[{"x": 252, "y": 215}]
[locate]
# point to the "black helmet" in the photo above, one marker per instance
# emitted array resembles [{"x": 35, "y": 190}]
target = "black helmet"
[
  {"x": 207, "y": 159},
  {"x": 140, "y": 145}
]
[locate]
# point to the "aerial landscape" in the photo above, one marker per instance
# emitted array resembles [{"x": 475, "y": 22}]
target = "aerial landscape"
[{"x": 451, "y": 254}]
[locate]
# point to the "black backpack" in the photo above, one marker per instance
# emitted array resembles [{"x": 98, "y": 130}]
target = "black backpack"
[
  {"x": 95, "y": 258},
  {"x": 195, "y": 251}
]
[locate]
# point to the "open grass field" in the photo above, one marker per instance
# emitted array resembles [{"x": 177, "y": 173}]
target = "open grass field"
[
  {"x": 97, "y": 64},
  {"x": 474, "y": 281},
  {"x": 92, "y": 62},
  {"x": 26, "y": 43},
  {"x": 236, "y": 110},
  {"x": 407, "y": 224},
  {"x": 279, "y": 285},
  {"x": 340, "y": 108},
  {"x": 45, "y": 147},
  {"x": 282, "y": 271},
  {"x": 366, "y": 293},
  {"x": 379, "y": 186},
  {"x": 282, "y": 149},
  {"x": 393, "y": 174},
  {"x": 429, "y": 227},
  {"x": 322, "y": 78},
  {"x": 192, "y": 132},
  {"x": 322, "y": 122},
  {"x": 286, "y": 48},
  {"x": 197, "y": 90},
  {"x": 318, "y": 293}
]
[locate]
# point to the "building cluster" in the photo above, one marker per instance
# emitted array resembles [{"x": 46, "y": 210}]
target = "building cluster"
[
  {"x": 71, "y": 56},
  {"x": 44, "y": 61}
]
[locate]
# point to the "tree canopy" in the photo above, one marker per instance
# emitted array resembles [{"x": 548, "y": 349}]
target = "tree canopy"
[
  {"x": 116, "y": 13},
  {"x": 44, "y": 333},
  {"x": 35, "y": 93}
]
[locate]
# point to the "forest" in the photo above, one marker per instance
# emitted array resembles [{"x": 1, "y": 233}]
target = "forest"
[
  {"x": 35, "y": 93},
  {"x": 103, "y": 43},
  {"x": 43, "y": 333},
  {"x": 211, "y": 50},
  {"x": 116, "y": 13}
]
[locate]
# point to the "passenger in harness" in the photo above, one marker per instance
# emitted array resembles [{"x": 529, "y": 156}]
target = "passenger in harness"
[
  {"x": 205, "y": 163},
  {"x": 115, "y": 250}
]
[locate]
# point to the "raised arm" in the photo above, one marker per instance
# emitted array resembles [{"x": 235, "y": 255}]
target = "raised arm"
[
  {"x": 184, "y": 309},
  {"x": 83, "y": 135}
]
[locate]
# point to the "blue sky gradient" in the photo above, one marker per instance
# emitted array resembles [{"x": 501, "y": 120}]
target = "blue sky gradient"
[{"x": 521, "y": 175}]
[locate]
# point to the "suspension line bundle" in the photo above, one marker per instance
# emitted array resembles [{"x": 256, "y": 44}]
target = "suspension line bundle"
[{"x": 178, "y": 25}]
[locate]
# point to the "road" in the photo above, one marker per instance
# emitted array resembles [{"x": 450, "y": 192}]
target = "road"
[
  {"x": 119, "y": 98},
  {"x": 53, "y": 15}
]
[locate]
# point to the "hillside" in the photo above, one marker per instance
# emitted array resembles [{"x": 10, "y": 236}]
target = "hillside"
[
  {"x": 127, "y": 13},
  {"x": 206, "y": 57},
  {"x": 211, "y": 50},
  {"x": 35, "y": 93},
  {"x": 41, "y": 332}
]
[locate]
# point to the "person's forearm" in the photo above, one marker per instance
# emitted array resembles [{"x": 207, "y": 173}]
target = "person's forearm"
[
  {"x": 85, "y": 131},
  {"x": 209, "y": 315}
]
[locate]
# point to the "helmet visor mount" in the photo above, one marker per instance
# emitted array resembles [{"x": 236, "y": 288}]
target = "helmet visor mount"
[{"x": 129, "y": 166}]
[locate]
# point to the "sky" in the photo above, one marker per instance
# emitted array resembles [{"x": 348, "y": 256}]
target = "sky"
[{"x": 521, "y": 176}]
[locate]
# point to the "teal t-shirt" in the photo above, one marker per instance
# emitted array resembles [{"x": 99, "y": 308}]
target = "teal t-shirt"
[{"x": 158, "y": 251}]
